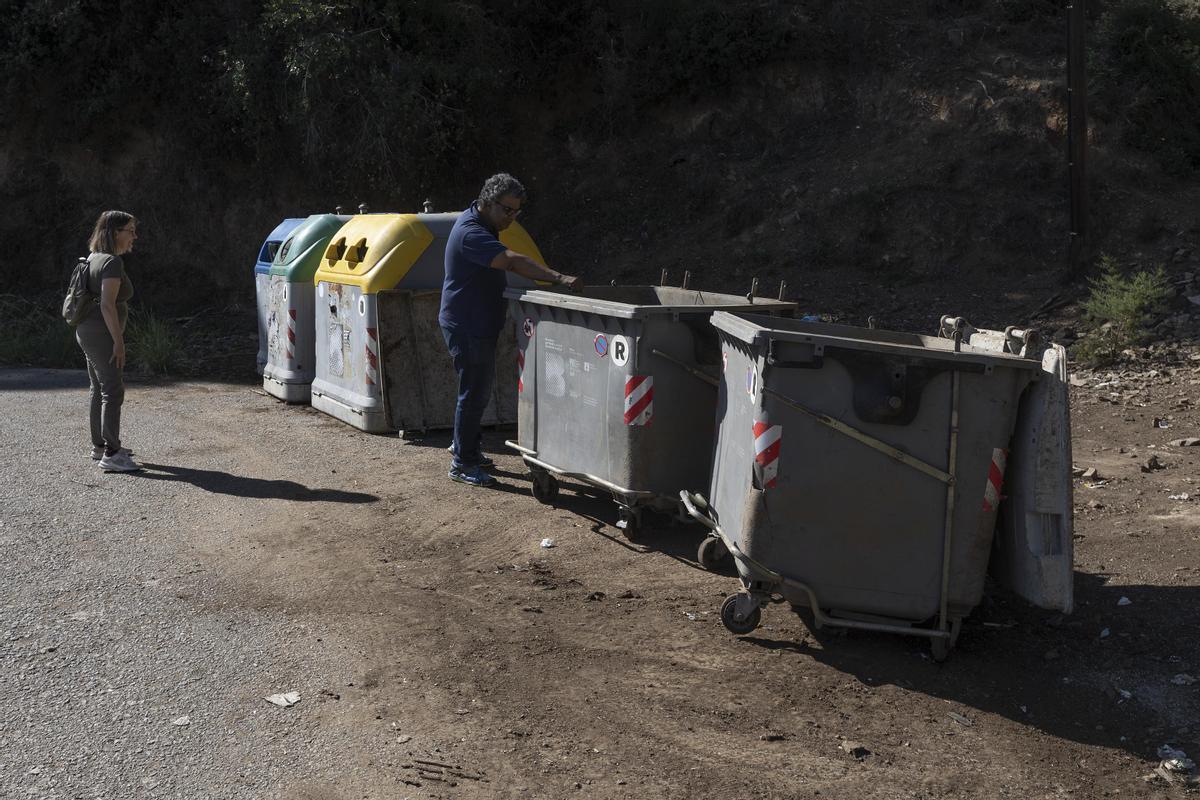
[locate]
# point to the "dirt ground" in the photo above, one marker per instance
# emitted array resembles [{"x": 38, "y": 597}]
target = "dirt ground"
[{"x": 442, "y": 652}]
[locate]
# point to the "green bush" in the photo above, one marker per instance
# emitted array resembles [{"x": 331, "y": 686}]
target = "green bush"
[
  {"x": 36, "y": 336},
  {"x": 152, "y": 345},
  {"x": 1120, "y": 309},
  {"x": 1146, "y": 69}
]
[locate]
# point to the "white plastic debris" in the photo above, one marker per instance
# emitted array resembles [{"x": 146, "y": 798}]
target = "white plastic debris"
[
  {"x": 1124, "y": 601},
  {"x": 547, "y": 542},
  {"x": 1104, "y": 634},
  {"x": 1180, "y": 496},
  {"x": 960, "y": 719},
  {"x": 1175, "y": 760},
  {"x": 1125, "y": 694},
  {"x": 284, "y": 700},
  {"x": 1183, "y": 679},
  {"x": 182, "y": 721}
]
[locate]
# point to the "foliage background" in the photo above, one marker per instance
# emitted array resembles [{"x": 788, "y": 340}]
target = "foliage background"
[{"x": 793, "y": 138}]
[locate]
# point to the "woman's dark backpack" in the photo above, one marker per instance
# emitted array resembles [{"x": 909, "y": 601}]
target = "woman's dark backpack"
[{"x": 79, "y": 300}]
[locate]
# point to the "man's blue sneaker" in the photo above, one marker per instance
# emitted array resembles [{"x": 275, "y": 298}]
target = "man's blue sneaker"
[
  {"x": 473, "y": 476},
  {"x": 484, "y": 461}
]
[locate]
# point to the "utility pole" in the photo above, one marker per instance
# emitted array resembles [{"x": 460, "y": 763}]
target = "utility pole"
[{"x": 1077, "y": 132}]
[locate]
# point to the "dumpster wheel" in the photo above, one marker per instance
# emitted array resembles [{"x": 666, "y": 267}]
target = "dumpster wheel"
[
  {"x": 712, "y": 553},
  {"x": 630, "y": 523},
  {"x": 729, "y": 615},
  {"x": 545, "y": 486}
]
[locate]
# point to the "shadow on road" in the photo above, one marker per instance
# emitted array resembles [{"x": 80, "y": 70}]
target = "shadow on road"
[
  {"x": 240, "y": 486},
  {"x": 1106, "y": 675},
  {"x": 659, "y": 532}
]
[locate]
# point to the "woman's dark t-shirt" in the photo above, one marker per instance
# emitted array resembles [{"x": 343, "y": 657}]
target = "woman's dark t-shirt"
[{"x": 102, "y": 266}]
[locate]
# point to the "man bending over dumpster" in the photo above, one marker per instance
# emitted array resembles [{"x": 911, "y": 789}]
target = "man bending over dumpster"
[{"x": 473, "y": 311}]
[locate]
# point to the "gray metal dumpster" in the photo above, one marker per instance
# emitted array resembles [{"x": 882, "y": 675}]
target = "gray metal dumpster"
[
  {"x": 858, "y": 472},
  {"x": 616, "y": 388}
]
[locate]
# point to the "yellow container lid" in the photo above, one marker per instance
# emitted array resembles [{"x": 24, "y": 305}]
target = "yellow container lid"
[
  {"x": 517, "y": 239},
  {"x": 376, "y": 251}
]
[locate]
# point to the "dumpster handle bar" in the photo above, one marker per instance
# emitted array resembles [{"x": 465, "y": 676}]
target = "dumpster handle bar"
[
  {"x": 948, "y": 533},
  {"x": 869, "y": 441},
  {"x": 709, "y": 379},
  {"x": 818, "y": 616},
  {"x": 530, "y": 457}
]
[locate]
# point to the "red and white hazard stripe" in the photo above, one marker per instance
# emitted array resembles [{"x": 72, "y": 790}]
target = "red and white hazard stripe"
[
  {"x": 372, "y": 371},
  {"x": 767, "y": 440},
  {"x": 520, "y": 370},
  {"x": 991, "y": 492},
  {"x": 291, "y": 334},
  {"x": 639, "y": 399}
]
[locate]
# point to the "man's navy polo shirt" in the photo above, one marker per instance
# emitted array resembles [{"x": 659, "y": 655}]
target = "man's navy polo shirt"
[{"x": 473, "y": 292}]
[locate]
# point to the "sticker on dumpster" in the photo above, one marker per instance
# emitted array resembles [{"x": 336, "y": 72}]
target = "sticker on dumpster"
[
  {"x": 724, "y": 361},
  {"x": 620, "y": 350},
  {"x": 639, "y": 399},
  {"x": 520, "y": 370},
  {"x": 528, "y": 328},
  {"x": 991, "y": 492},
  {"x": 751, "y": 380},
  {"x": 372, "y": 371},
  {"x": 601, "y": 345},
  {"x": 336, "y": 359},
  {"x": 556, "y": 379},
  {"x": 767, "y": 441},
  {"x": 291, "y": 334}
]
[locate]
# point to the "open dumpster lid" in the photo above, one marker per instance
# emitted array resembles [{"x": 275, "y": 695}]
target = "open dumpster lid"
[
  {"x": 632, "y": 302},
  {"x": 1034, "y": 552}
]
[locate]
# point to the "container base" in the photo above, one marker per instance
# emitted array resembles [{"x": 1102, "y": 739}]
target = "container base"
[
  {"x": 370, "y": 421},
  {"x": 287, "y": 392}
]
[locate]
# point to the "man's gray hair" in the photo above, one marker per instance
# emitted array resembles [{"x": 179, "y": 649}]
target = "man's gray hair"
[{"x": 499, "y": 185}]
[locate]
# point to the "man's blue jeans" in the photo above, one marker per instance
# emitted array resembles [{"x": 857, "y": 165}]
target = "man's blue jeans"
[{"x": 475, "y": 363}]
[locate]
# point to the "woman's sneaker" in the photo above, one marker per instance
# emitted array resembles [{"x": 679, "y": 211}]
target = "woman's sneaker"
[
  {"x": 119, "y": 462},
  {"x": 472, "y": 476},
  {"x": 98, "y": 452}
]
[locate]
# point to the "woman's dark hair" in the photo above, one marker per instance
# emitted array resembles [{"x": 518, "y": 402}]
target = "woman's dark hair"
[{"x": 106, "y": 226}]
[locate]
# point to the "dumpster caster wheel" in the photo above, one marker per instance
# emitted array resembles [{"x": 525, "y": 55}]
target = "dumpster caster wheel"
[
  {"x": 545, "y": 487},
  {"x": 630, "y": 524},
  {"x": 942, "y": 647},
  {"x": 712, "y": 553},
  {"x": 739, "y": 623}
]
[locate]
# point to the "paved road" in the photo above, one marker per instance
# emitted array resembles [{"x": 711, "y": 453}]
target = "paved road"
[{"x": 124, "y": 669}]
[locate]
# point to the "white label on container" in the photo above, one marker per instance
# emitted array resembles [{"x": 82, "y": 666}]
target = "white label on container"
[{"x": 619, "y": 347}]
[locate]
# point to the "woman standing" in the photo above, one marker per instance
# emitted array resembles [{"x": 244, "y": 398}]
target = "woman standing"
[{"x": 102, "y": 336}]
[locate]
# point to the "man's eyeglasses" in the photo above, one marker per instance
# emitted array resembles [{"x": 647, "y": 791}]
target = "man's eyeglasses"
[{"x": 509, "y": 211}]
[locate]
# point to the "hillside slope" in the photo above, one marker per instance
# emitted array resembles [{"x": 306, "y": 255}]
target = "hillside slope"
[{"x": 900, "y": 163}]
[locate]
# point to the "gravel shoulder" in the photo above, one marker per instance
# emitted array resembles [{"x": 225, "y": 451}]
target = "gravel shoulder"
[{"x": 441, "y": 652}]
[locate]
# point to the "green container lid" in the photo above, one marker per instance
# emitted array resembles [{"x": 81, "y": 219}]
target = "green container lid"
[{"x": 300, "y": 254}]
